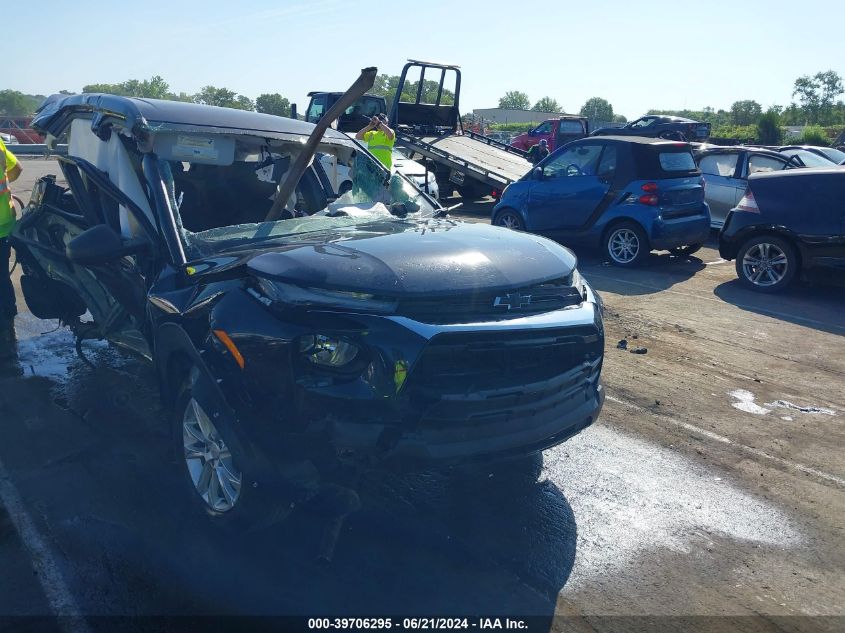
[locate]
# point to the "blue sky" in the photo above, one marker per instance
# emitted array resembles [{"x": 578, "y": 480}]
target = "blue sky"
[{"x": 638, "y": 55}]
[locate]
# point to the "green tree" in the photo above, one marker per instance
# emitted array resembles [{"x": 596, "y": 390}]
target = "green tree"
[
  {"x": 515, "y": 100},
  {"x": 182, "y": 96},
  {"x": 244, "y": 103},
  {"x": 619, "y": 118},
  {"x": 385, "y": 86},
  {"x": 597, "y": 109},
  {"x": 745, "y": 112},
  {"x": 14, "y": 103},
  {"x": 814, "y": 135},
  {"x": 769, "y": 131},
  {"x": 153, "y": 88},
  {"x": 222, "y": 97},
  {"x": 547, "y": 104},
  {"x": 817, "y": 94},
  {"x": 273, "y": 103}
]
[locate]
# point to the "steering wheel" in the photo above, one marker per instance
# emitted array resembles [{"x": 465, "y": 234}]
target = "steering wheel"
[{"x": 573, "y": 170}]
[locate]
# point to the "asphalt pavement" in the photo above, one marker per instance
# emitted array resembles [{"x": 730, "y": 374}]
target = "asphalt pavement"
[{"x": 708, "y": 496}]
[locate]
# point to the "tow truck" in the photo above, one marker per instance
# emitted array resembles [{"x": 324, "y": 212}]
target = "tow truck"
[{"x": 428, "y": 124}]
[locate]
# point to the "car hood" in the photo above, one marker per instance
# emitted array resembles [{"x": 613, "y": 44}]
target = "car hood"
[{"x": 429, "y": 257}]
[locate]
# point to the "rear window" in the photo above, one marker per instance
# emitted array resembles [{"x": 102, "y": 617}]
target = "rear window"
[
  {"x": 676, "y": 161},
  {"x": 664, "y": 160},
  {"x": 571, "y": 127}
]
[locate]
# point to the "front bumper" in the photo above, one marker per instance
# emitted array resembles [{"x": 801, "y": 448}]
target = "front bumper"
[{"x": 472, "y": 391}]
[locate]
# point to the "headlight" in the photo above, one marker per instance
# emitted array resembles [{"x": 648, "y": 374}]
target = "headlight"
[
  {"x": 328, "y": 351},
  {"x": 291, "y": 295}
]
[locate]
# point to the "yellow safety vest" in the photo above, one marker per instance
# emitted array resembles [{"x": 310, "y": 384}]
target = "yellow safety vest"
[
  {"x": 380, "y": 146},
  {"x": 7, "y": 214}
]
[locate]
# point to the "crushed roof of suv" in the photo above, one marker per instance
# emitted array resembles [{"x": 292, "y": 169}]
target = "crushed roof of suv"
[{"x": 57, "y": 110}]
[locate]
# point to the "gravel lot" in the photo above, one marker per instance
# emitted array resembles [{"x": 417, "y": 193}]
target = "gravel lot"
[{"x": 713, "y": 484}]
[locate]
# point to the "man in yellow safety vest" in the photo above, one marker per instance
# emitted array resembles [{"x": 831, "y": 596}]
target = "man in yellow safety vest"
[
  {"x": 379, "y": 138},
  {"x": 10, "y": 169}
]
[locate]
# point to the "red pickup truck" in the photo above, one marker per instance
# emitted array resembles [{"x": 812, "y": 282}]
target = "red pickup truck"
[{"x": 557, "y": 132}]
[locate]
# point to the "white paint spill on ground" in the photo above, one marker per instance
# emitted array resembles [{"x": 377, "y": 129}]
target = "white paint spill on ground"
[
  {"x": 659, "y": 500},
  {"x": 721, "y": 439},
  {"x": 745, "y": 402},
  {"x": 785, "y": 404},
  {"x": 786, "y": 417}
]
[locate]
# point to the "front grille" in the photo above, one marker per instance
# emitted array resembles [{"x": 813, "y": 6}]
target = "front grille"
[
  {"x": 492, "y": 306},
  {"x": 469, "y": 378}
]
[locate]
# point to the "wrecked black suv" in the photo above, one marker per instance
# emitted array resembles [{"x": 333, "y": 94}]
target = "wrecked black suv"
[{"x": 367, "y": 329}]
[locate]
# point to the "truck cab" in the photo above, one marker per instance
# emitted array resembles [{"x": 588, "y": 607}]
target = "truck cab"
[
  {"x": 557, "y": 132},
  {"x": 354, "y": 118}
]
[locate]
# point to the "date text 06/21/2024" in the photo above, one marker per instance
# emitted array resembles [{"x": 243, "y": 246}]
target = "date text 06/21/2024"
[{"x": 416, "y": 623}]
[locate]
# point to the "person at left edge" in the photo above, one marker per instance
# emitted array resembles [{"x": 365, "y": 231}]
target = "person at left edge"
[{"x": 10, "y": 169}]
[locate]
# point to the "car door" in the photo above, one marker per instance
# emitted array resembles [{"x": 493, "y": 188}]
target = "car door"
[
  {"x": 722, "y": 186},
  {"x": 543, "y": 131},
  {"x": 114, "y": 293},
  {"x": 820, "y": 218},
  {"x": 567, "y": 189}
]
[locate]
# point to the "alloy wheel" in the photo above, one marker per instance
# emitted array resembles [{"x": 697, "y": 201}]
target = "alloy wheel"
[
  {"x": 765, "y": 264},
  {"x": 510, "y": 221},
  {"x": 209, "y": 460},
  {"x": 623, "y": 246}
]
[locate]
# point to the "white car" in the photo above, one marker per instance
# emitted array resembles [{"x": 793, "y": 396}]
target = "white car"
[
  {"x": 415, "y": 171},
  {"x": 8, "y": 139},
  {"x": 341, "y": 181}
]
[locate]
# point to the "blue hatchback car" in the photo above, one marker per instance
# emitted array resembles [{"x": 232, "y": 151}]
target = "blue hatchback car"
[{"x": 626, "y": 195}]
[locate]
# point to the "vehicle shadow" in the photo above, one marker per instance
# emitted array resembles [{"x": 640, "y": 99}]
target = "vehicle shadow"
[
  {"x": 419, "y": 545},
  {"x": 818, "y": 306},
  {"x": 422, "y": 544},
  {"x": 659, "y": 272}
]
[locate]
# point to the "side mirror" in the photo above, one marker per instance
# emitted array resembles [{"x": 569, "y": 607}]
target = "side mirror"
[
  {"x": 537, "y": 173},
  {"x": 101, "y": 245}
]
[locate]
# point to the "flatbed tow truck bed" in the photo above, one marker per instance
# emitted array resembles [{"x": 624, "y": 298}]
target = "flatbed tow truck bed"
[{"x": 493, "y": 162}]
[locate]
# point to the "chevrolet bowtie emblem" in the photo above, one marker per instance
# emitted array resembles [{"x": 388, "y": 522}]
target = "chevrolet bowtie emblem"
[{"x": 512, "y": 301}]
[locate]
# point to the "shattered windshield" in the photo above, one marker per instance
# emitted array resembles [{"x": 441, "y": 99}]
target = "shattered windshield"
[{"x": 222, "y": 188}]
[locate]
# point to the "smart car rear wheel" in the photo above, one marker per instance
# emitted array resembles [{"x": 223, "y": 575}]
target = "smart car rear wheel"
[
  {"x": 766, "y": 263},
  {"x": 626, "y": 244},
  {"x": 509, "y": 219}
]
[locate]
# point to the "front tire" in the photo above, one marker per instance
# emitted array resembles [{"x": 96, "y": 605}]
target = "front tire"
[
  {"x": 216, "y": 477},
  {"x": 626, "y": 245},
  {"x": 766, "y": 263},
  {"x": 509, "y": 219}
]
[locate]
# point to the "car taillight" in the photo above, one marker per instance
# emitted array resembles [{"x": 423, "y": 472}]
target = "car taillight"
[
  {"x": 748, "y": 203},
  {"x": 650, "y": 199},
  {"x": 650, "y": 187}
]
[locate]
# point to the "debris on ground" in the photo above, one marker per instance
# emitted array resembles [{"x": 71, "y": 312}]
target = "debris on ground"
[
  {"x": 639, "y": 350},
  {"x": 785, "y": 404},
  {"x": 623, "y": 344}
]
